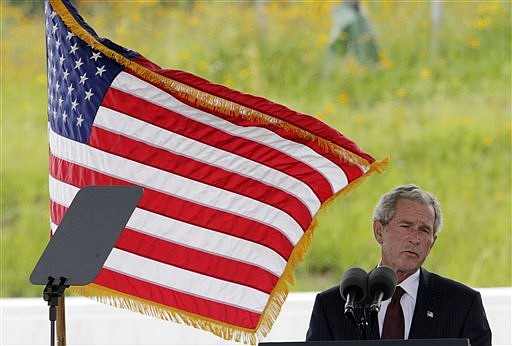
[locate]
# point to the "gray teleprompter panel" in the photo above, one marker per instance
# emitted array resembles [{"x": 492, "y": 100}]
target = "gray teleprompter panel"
[{"x": 86, "y": 235}]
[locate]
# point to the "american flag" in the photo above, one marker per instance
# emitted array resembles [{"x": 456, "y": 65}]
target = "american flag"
[{"x": 232, "y": 181}]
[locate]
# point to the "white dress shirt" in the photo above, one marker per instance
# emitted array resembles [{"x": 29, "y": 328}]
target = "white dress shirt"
[{"x": 408, "y": 302}]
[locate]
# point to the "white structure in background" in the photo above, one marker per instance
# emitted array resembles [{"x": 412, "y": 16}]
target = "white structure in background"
[{"x": 25, "y": 322}]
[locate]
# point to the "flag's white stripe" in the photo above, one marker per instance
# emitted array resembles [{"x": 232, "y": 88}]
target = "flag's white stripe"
[
  {"x": 135, "y": 86},
  {"x": 61, "y": 193},
  {"x": 122, "y": 124},
  {"x": 186, "y": 281},
  {"x": 188, "y": 235},
  {"x": 172, "y": 184}
]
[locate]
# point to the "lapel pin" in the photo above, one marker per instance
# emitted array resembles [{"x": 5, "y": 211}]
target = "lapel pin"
[{"x": 430, "y": 314}]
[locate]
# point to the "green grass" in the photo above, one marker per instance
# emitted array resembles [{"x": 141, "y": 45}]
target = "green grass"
[{"x": 442, "y": 115}]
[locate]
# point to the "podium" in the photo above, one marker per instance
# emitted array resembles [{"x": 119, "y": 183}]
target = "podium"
[
  {"x": 83, "y": 240},
  {"x": 410, "y": 342}
]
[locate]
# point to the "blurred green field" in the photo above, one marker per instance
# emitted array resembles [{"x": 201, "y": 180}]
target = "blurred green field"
[{"x": 441, "y": 110}]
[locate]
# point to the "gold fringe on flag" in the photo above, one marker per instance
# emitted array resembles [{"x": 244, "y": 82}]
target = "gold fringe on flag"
[{"x": 149, "y": 308}]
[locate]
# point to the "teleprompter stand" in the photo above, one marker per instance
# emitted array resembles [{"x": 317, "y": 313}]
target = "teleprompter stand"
[
  {"x": 51, "y": 294},
  {"x": 83, "y": 240}
]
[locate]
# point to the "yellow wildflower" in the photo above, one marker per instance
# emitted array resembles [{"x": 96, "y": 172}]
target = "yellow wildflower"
[
  {"x": 343, "y": 98},
  {"x": 359, "y": 120},
  {"x": 329, "y": 108},
  {"x": 481, "y": 23},
  {"x": 499, "y": 196},
  {"x": 425, "y": 73},
  {"x": 487, "y": 141},
  {"x": 401, "y": 93},
  {"x": 474, "y": 43},
  {"x": 387, "y": 64},
  {"x": 321, "y": 116},
  {"x": 464, "y": 120},
  {"x": 185, "y": 56},
  {"x": 203, "y": 65}
]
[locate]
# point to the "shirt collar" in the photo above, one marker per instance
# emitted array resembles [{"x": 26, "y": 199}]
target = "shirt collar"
[{"x": 410, "y": 284}]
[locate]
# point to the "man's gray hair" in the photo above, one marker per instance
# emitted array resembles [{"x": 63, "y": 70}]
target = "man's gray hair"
[{"x": 386, "y": 208}]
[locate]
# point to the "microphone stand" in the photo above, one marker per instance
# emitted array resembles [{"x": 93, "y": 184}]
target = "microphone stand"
[
  {"x": 360, "y": 323},
  {"x": 363, "y": 326},
  {"x": 375, "y": 308}
]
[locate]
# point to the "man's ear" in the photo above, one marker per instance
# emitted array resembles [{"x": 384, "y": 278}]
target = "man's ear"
[
  {"x": 435, "y": 238},
  {"x": 378, "y": 228}
]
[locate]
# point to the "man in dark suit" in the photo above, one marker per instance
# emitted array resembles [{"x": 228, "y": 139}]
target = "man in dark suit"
[{"x": 406, "y": 223}]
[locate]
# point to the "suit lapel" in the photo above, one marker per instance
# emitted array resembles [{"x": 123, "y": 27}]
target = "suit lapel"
[
  {"x": 426, "y": 312},
  {"x": 373, "y": 333}
]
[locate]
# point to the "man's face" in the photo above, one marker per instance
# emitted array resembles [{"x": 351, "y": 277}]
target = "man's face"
[{"x": 407, "y": 239}]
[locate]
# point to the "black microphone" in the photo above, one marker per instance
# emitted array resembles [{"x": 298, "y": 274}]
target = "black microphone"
[
  {"x": 381, "y": 285},
  {"x": 353, "y": 289}
]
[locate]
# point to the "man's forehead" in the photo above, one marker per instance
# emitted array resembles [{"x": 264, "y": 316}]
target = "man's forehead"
[{"x": 413, "y": 211}]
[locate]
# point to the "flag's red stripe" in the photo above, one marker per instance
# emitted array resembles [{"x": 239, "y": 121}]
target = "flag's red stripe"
[
  {"x": 202, "y": 172},
  {"x": 164, "y": 118},
  {"x": 179, "y": 209},
  {"x": 57, "y": 212},
  {"x": 197, "y": 261},
  {"x": 179, "y": 300}
]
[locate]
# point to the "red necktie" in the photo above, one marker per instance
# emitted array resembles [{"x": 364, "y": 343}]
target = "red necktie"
[{"x": 394, "y": 321}]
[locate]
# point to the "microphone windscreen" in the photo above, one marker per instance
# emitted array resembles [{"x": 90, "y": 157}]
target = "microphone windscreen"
[
  {"x": 354, "y": 280},
  {"x": 382, "y": 279}
]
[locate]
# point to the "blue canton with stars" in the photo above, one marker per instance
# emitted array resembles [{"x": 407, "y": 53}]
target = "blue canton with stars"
[{"x": 78, "y": 77}]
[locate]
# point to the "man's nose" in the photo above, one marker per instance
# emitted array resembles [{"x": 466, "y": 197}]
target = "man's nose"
[{"x": 414, "y": 236}]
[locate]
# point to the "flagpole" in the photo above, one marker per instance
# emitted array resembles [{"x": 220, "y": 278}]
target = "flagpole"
[{"x": 61, "y": 322}]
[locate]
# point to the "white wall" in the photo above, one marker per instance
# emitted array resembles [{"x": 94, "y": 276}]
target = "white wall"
[{"x": 25, "y": 322}]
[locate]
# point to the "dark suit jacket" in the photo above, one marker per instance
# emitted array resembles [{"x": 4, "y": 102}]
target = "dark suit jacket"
[{"x": 444, "y": 309}]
